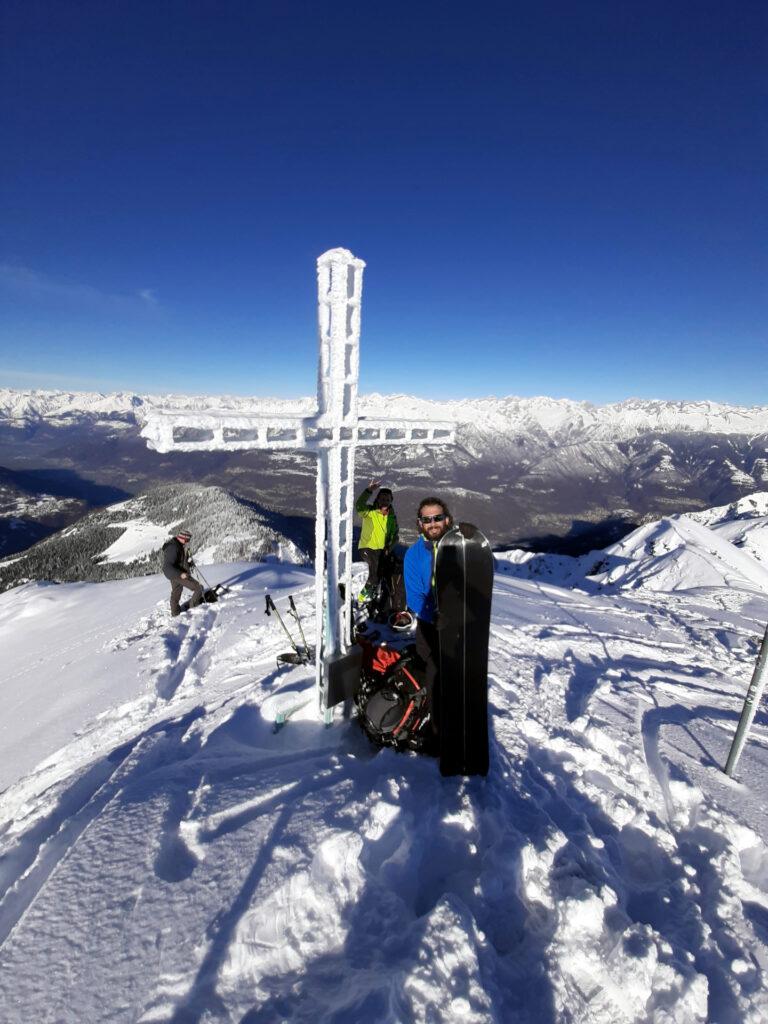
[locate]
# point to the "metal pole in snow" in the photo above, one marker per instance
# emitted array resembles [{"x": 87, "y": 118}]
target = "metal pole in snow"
[{"x": 751, "y": 704}]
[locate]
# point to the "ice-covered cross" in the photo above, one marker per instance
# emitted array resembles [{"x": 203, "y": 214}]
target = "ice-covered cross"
[{"x": 333, "y": 433}]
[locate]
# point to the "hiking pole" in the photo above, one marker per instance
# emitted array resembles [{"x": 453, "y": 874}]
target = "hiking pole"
[
  {"x": 298, "y": 623},
  {"x": 751, "y": 704},
  {"x": 271, "y": 607},
  {"x": 199, "y": 572}
]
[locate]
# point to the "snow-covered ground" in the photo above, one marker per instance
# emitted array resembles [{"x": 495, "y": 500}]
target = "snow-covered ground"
[
  {"x": 720, "y": 548},
  {"x": 165, "y": 855}
]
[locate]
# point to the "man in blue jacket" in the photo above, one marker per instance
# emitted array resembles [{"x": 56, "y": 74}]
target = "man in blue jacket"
[{"x": 433, "y": 520}]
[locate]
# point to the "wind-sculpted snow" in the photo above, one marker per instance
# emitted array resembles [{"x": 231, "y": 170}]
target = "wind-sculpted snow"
[{"x": 165, "y": 855}]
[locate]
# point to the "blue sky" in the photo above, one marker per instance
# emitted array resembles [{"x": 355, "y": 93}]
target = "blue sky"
[{"x": 551, "y": 198}]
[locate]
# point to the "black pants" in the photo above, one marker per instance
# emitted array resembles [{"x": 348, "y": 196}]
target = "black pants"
[
  {"x": 428, "y": 650},
  {"x": 375, "y": 560},
  {"x": 384, "y": 565},
  {"x": 177, "y": 588}
]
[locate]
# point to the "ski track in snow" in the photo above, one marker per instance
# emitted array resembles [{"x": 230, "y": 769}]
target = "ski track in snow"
[{"x": 177, "y": 860}]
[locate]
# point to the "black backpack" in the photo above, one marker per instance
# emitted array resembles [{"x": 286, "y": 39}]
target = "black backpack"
[{"x": 392, "y": 704}]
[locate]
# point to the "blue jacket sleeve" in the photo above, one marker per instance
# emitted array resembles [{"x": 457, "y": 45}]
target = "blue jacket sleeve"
[{"x": 417, "y": 571}]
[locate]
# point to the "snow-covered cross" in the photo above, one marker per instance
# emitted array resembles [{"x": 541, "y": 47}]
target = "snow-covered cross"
[{"x": 333, "y": 433}]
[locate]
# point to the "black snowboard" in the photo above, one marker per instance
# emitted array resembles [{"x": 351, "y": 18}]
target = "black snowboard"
[{"x": 464, "y": 582}]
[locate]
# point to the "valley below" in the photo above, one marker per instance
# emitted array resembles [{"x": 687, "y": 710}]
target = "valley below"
[{"x": 539, "y": 474}]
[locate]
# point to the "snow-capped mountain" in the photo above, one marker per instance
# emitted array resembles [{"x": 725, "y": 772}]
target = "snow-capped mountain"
[
  {"x": 724, "y": 547},
  {"x": 36, "y": 502},
  {"x": 555, "y": 419},
  {"x": 744, "y": 523},
  {"x": 538, "y": 472},
  {"x": 125, "y": 539},
  {"x": 167, "y": 854},
  {"x": 679, "y": 553}
]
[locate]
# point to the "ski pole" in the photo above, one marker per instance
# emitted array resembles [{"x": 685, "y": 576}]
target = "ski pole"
[
  {"x": 298, "y": 623},
  {"x": 196, "y": 569},
  {"x": 271, "y": 607},
  {"x": 751, "y": 704}
]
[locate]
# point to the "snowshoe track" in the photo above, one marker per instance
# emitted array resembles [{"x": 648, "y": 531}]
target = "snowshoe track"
[{"x": 596, "y": 875}]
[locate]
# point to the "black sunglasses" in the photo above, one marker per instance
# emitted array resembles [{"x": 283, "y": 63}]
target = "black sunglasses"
[{"x": 432, "y": 519}]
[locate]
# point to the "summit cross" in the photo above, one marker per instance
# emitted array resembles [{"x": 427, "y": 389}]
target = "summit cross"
[{"x": 333, "y": 433}]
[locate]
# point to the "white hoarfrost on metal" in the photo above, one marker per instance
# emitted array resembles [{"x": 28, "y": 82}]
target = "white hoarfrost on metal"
[{"x": 333, "y": 432}]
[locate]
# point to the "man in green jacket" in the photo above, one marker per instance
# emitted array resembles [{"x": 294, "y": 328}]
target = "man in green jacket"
[{"x": 378, "y": 535}]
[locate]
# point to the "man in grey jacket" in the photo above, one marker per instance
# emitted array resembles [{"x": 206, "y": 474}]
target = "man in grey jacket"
[{"x": 177, "y": 565}]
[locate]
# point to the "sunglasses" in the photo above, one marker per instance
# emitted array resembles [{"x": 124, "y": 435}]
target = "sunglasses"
[{"x": 432, "y": 519}]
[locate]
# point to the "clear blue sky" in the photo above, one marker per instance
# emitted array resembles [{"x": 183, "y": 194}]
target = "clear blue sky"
[{"x": 564, "y": 198}]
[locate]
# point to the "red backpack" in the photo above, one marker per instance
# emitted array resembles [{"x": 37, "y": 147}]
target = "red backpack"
[{"x": 392, "y": 704}]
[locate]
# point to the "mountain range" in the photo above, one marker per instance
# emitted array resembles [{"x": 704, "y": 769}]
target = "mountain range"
[
  {"x": 541, "y": 473},
  {"x": 124, "y": 539}
]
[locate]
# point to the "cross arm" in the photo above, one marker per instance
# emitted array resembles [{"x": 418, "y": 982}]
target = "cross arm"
[
  {"x": 168, "y": 430},
  {"x": 372, "y": 432}
]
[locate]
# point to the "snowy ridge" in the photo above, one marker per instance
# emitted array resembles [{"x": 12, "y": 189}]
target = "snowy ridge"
[
  {"x": 164, "y": 852},
  {"x": 750, "y": 508},
  {"x": 679, "y": 553},
  {"x": 125, "y": 539},
  {"x": 744, "y": 523},
  {"x": 555, "y": 418},
  {"x": 559, "y": 468},
  {"x": 724, "y": 547}
]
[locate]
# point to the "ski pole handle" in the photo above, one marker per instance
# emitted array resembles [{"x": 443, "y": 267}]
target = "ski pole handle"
[
  {"x": 270, "y": 605},
  {"x": 290, "y": 602}
]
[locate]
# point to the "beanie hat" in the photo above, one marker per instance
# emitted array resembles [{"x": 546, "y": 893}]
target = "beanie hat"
[{"x": 184, "y": 535}]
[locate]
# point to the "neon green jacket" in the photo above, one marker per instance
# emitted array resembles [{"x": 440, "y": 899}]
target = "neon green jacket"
[{"x": 379, "y": 531}]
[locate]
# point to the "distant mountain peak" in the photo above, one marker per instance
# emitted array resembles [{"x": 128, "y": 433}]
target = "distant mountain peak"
[{"x": 511, "y": 414}]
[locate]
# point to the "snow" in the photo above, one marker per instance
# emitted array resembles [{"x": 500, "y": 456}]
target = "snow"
[
  {"x": 165, "y": 855},
  {"x": 679, "y": 553},
  {"x": 140, "y": 539},
  {"x": 721, "y": 548},
  {"x": 743, "y": 523},
  {"x": 557, "y": 418}
]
